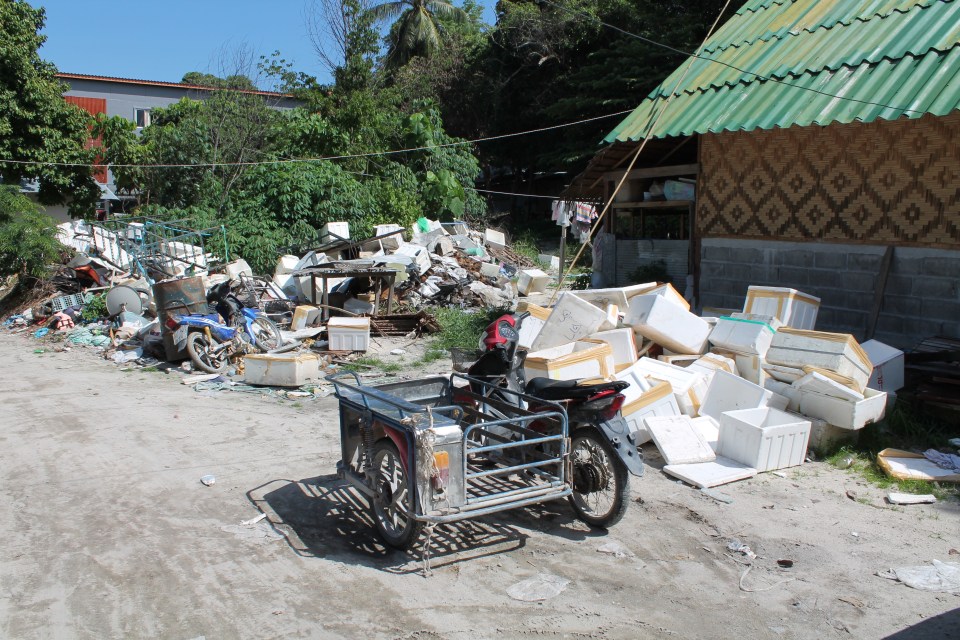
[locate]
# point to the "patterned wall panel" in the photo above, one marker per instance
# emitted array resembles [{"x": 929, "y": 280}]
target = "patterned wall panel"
[{"x": 882, "y": 182}]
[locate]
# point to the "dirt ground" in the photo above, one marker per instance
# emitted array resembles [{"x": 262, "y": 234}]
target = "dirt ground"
[{"x": 110, "y": 534}]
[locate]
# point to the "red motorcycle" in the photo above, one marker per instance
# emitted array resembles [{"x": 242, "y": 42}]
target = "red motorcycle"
[{"x": 603, "y": 450}]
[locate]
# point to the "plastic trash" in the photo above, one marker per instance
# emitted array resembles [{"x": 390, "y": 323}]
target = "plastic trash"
[
  {"x": 940, "y": 576},
  {"x": 543, "y": 586},
  {"x": 39, "y": 333},
  {"x": 738, "y": 547},
  {"x": 208, "y": 480},
  {"x": 615, "y": 548}
]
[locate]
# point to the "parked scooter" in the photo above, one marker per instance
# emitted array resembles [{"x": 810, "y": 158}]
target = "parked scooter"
[
  {"x": 603, "y": 450},
  {"x": 213, "y": 339}
]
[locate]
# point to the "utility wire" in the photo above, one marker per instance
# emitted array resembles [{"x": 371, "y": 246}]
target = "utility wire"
[
  {"x": 721, "y": 62},
  {"x": 320, "y": 159}
]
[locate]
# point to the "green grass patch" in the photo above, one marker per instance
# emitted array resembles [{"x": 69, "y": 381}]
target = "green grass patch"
[{"x": 366, "y": 363}]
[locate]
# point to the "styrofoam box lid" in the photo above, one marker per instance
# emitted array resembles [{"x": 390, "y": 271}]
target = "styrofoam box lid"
[
  {"x": 348, "y": 323},
  {"x": 879, "y": 352}
]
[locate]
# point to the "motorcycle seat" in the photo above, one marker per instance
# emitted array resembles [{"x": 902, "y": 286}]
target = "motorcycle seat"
[{"x": 548, "y": 389}]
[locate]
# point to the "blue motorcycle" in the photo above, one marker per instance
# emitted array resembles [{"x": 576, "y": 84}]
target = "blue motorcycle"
[{"x": 213, "y": 339}]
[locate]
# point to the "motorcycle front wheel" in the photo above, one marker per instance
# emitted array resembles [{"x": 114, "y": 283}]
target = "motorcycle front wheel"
[
  {"x": 203, "y": 356},
  {"x": 266, "y": 334},
  {"x": 601, "y": 484}
]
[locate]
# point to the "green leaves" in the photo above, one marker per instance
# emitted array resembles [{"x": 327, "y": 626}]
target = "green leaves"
[{"x": 28, "y": 236}]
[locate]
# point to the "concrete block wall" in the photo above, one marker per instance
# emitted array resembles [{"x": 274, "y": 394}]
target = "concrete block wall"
[{"x": 922, "y": 296}]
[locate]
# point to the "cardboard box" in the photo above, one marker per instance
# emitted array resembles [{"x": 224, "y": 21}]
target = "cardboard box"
[
  {"x": 765, "y": 439},
  {"x": 845, "y": 414},
  {"x": 348, "y": 334},
  {"x": 689, "y": 387},
  {"x": 281, "y": 369},
  {"x": 657, "y": 399},
  {"x": 570, "y": 320},
  {"x": 793, "y": 308},
  {"x": 623, "y": 343},
  {"x": 574, "y": 361},
  {"x": 532, "y": 281},
  {"x": 837, "y": 352},
  {"x": 887, "y": 366},
  {"x": 750, "y": 336},
  {"x": 667, "y": 324}
]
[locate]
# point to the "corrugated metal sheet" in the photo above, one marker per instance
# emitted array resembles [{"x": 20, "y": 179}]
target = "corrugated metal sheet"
[{"x": 890, "y": 59}]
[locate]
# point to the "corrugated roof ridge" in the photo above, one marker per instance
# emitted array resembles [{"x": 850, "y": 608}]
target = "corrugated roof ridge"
[
  {"x": 771, "y": 35},
  {"x": 764, "y": 5}
]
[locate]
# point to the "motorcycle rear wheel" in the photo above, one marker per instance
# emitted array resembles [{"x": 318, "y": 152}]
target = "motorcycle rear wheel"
[
  {"x": 266, "y": 333},
  {"x": 601, "y": 484},
  {"x": 202, "y": 355}
]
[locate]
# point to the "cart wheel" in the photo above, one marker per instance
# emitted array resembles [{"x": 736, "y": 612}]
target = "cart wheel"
[
  {"x": 601, "y": 487},
  {"x": 201, "y": 352},
  {"x": 393, "y": 498}
]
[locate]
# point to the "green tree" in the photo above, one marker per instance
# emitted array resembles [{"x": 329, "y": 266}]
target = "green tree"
[
  {"x": 417, "y": 29},
  {"x": 36, "y": 123},
  {"x": 28, "y": 236}
]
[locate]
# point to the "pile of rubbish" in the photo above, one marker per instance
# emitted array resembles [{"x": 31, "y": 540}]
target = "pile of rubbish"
[{"x": 725, "y": 395}]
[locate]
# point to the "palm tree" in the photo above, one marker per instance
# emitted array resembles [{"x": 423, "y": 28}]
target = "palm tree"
[{"x": 417, "y": 30}]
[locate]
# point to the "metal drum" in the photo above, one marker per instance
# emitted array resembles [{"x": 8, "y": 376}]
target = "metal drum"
[{"x": 178, "y": 297}]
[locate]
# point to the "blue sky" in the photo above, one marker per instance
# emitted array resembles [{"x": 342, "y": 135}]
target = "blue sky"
[{"x": 164, "y": 40}]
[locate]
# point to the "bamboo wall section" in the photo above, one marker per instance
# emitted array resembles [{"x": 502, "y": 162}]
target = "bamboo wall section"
[{"x": 879, "y": 183}]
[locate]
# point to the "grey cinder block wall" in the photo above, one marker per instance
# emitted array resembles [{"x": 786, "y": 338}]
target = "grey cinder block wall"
[{"x": 922, "y": 295}]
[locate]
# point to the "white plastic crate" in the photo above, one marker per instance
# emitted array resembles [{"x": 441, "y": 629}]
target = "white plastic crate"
[
  {"x": 571, "y": 319},
  {"x": 281, "y": 369},
  {"x": 793, "y": 308},
  {"x": 348, "y": 334},
  {"x": 836, "y": 352},
  {"x": 573, "y": 361},
  {"x": 532, "y": 281},
  {"x": 668, "y": 324},
  {"x": 765, "y": 439}
]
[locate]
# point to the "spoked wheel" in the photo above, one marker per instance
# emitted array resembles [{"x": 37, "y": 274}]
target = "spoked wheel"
[
  {"x": 601, "y": 487},
  {"x": 202, "y": 354},
  {"x": 266, "y": 333},
  {"x": 393, "y": 498}
]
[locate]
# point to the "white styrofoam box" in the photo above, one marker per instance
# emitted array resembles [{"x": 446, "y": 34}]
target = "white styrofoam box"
[
  {"x": 689, "y": 387},
  {"x": 678, "y": 440},
  {"x": 288, "y": 284},
  {"x": 793, "y": 308},
  {"x": 348, "y": 334},
  {"x": 532, "y": 281},
  {"x": 751, "y": 368},
  {"x": 574, "y": 361},
  {"x": 494, "y": 238},
  {"x": 635, "y": 290},
  {"x": 551, "y": 262},
  {"x": 665, "y": 291},
  {"x": 765, "y": 439},
  {"x": 709, "y": 363},
  {"x": 837, "y": 352},
  {"x": 285, "y": 264},
  {"x": 708, "y": 428},
  {"x": 820, "y": 383},
  {"x": 668, "y": 324},
  {"x": 489, "y": 269},
  {"x": 646, "y": 398},
  {"x": 728, "y": 392},
  {"x": 613, "y": 315},
  {"x": 238, "y": 267},
  {"x": 391, "y": 243},
  {"x": 742, "y": 335},
  {"x": 281, "y": 369},
  {"x": 710, "y": 474},
  {"x": 531, "y": 326},
  {"x": 418, "y": 254},
  {"x": 680, "y": 361},
  {"x": 782, "y": 373},
  {"x": 716, "y": 312},
  {"x": 304, "y": 316},
  {"x": 600, "y": 298},
  {"x": 827, "y": 438},
  {"x": 571, "y": 319},
  {"x": 339, "y": 229},
  {"x": 623, "y": 343},
  {"x": 887, "y": 366},
  {"x": 845, "y": 414},
  {"x": 786, "y": 391}
]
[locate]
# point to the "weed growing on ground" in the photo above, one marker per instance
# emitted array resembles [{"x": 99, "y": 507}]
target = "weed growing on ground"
[
  {"x": 369, "y": 362},
  {"x": 865, "y": 465}
]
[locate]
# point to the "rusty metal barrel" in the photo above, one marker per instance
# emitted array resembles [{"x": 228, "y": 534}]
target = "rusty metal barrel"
[{"x": 178, "y": 297}]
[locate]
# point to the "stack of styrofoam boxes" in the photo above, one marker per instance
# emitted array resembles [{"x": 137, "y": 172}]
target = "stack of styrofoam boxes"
[
  {"x": 584, "y": 359},
  {"x": 419, "y": 255},
  {"x": 348, "y": 334},
  {"x": 791, "y": 307},
  {"x": 645, "y": 397},
  {"x": 830, "y": 372},
  {"x": 624, "y": 346},
  {"x": 391, "y": 243},
  {"x": 532, "y": 281},
  {"x": 689, "y": 387},
  {"x": 747, "y": 337}
]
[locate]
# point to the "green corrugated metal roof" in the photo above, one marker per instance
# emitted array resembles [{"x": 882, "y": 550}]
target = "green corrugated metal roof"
[{"x": 893, "y": 58}]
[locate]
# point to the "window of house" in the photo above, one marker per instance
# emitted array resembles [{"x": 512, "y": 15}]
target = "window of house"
[{"x": 142, "y": 117}]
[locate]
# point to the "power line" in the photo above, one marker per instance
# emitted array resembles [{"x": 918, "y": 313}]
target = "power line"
[
  {"x": 320, "y": 159},
  {"x": 726, "y": 64}
]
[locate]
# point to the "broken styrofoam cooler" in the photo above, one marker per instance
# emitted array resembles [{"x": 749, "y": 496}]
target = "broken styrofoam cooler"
[
  {"x": 689, "y": 387},
  {"x": 836, "y": 352},
  {"x": 532, "y": 281},
  {"x": 237, "y": 268},
  {"x": 571, "y": 319},
  {"x": 281, "y": 369},
  {"x": 764, "y": 439},
  {"x": 668, "y": 324},
  {"x": 335, "y": 231},
  {"x": 728, "y": 392},
  {"x": 419, "y": 255},
  {"x": 887, "y": 366},
  {"x": 490, "y": 270},
  {"x": 624, "y": 346},
  {"x": 717, "y": 312},
  {"x": 645, "y": 398},
  {"x": 681, "y": 360},
  {"x": 826, "y": 438},
  {"x": 846, "y": 414},
  {"x": 665, "y": 291},
  {"x": 710, "y": 363},
  {"x": 825, "y": 385},
  {"x": 791, "y": 307},
  {"x": 747, "y": 335},
  {"x": 574, "y": 361},
  {"x": 348, "y": 334},
  {"x": 531, "y": 326}
]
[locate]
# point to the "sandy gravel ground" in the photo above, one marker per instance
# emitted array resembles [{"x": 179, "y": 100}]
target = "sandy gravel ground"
[{"x": 108, "y": 533}]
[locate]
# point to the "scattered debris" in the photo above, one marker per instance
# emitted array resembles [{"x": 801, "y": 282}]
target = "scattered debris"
[
  {"x": 907, "y": 498},
  {"x": 736, "y": 546},
  {"x": 543, "y": 586},
  {"x": 938, "y": 576},
  {"x": 208, "y": 480},
  {"x": 615, "y": 548}
]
